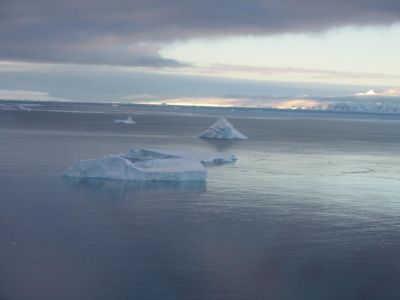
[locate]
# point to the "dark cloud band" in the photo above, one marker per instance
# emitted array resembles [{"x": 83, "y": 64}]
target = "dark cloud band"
[{"x": 130, "y": 32}]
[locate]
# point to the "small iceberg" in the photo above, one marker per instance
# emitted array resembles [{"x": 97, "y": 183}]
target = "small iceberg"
[
  {"x": 128, "y": 120},
  {"x": 149, "y": 165},
  {"x": 224, "y": 130}
]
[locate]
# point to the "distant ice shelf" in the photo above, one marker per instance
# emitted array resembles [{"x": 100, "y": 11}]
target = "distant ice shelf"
[
  {"x": 128, "y": 120},
  {"x": 149, "y": 165},
  {"x": 224, "y": 130}
]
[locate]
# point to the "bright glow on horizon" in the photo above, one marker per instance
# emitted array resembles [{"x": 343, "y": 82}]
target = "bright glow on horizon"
[
  {"x": 196, "y": 101},
  {"x": 238, "y": 102}
]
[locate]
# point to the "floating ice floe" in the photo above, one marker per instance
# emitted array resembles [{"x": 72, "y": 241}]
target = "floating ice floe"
[
  {"x": 22, "y": 107},
  {"x": 128, "y": 120},
  {"x": 149, "y": 165},
  {"x": 222, "y": 129},
  {"x": 206, "y": 158}
]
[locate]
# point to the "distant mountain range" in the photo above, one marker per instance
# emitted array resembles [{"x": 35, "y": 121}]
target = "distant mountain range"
[{"x": 364, "y": 107}]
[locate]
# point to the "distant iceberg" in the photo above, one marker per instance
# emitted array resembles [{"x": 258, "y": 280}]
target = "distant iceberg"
[
  {"x": 149, "y": 165},
  {"x": 128, "y": 120},
  {"x": 222, "y": 129}
]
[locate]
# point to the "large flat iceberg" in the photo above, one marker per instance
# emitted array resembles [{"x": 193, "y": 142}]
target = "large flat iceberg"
[
  {"x": 149, "y": 165},
  {"x": 222, "y": 129}
]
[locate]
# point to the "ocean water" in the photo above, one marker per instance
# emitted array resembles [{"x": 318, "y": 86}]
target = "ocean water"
[{"x": 311, "y": 210}]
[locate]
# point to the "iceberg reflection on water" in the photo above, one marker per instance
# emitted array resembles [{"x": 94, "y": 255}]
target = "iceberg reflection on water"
[{"x": 109, "y": 189}]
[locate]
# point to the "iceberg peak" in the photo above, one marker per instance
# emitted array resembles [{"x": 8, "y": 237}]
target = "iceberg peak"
[{"x": 222, "y": 129}]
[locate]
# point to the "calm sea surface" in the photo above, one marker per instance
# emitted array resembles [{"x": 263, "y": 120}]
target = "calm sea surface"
[{"x": 311, "y": 210}]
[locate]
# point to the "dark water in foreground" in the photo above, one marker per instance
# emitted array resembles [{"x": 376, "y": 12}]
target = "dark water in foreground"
[{"x": 311, "y": 210}]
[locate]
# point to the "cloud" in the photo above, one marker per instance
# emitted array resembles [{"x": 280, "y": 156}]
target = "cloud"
[
  {"x": 26, "y": 95},
  {"x": 265, "y": 72},
  {"x": 392, "y": 92},
  {"x": 15, "y": 67},
  {"x": 143, "y": 97},
  {"x": 131, "y": 32}
]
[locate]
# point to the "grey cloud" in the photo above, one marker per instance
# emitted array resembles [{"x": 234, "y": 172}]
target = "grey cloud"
[
  {"x": 130, "y": 32},
  {"x": 102, "y": 83},
  {"x": 316, "y": 73}
]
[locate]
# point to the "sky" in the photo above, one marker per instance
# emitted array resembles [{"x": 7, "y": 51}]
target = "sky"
[{"x": 215, "y": 52}]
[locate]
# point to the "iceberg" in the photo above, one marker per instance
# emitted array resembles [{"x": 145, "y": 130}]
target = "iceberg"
[
  {"x": 119, "y": 167},
  {"x": 222, "y": 129},
  {"x": 149, "y": 165},
  {"x": 128, "y": 120}
]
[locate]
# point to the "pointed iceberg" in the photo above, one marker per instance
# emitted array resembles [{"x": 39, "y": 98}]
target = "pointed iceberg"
[{"x": 222, "y": 129}]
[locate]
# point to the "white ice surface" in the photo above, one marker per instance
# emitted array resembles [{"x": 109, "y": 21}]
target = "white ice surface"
[
  {"x": 125, "y": 121},
  {"x": 222, "y": 129},
  {"x": 119, "y": 167},
  {"x": 150, "y": 165}
]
